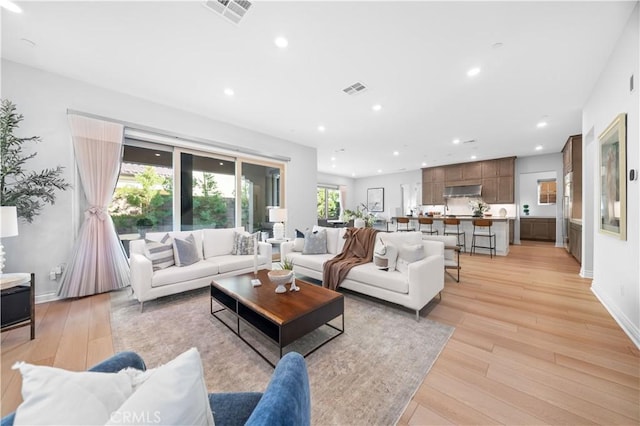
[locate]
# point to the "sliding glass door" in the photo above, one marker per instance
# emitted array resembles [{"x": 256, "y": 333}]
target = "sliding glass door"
[{"x": 261, "y": 189}]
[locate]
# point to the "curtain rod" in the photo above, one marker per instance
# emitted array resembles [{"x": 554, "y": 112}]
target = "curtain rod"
[{"x": 201, "y": 141}]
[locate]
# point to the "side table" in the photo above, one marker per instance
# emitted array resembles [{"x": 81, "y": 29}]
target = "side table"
[
  {"x": 18, "y": 307},
  {"x": 275, "y": 242}
]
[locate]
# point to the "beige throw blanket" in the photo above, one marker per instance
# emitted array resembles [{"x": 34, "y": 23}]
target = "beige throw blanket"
[{"x": 358, "y": 250}]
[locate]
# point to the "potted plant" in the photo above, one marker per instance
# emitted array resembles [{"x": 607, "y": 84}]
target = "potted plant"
[
  {"x": 144, "y": 224},
  {"x": 361, "y": 212},
  {"x": 525, "y": 207},
  {"x": 478, "y": 207}
]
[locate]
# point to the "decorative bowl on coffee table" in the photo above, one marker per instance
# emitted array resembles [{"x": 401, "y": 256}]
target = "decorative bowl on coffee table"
[{"x": 280, "y": 277}]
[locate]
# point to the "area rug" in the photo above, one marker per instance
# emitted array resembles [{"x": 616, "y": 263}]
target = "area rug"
[{"x": 366, "y": 376}]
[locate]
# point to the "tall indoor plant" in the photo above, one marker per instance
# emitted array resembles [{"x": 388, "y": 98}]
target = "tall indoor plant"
[{"x": 28, "y": 190}]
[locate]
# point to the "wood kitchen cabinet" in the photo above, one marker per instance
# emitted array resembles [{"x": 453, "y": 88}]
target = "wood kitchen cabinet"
[
  {"x": 575, "y": 240},
  {"x": 572, "y": 164},
  {"x": 495, "y": 176},
  {"x": 538, "y": 228}
]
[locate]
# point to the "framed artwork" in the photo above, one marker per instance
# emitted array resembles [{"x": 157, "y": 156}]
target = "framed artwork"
[
  {"x": 613, "y": 179},
  {"x": 375, "y": 199}
]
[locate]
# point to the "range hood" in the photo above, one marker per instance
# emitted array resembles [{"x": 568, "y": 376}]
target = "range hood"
[{"x": 462, "y": 191}]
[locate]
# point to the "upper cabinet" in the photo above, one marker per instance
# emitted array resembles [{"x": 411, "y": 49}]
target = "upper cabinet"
[{"x": 495, "y": 176}]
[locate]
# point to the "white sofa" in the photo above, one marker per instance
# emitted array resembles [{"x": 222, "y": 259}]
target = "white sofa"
[
  {"x": 423, "y": 280},
  {"x": 216, "y": 261},
  {"x": 451, "y": 253}
]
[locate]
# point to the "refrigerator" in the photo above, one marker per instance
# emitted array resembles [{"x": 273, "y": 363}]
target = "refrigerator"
[{"x": 567, "y": 201}]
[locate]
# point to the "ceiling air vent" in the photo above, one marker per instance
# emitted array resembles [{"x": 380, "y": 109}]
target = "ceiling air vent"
[
  {"x": 355, "y": 88},
  {"x": 469, "y": 141},
  {"x": 233, "y": 10}
]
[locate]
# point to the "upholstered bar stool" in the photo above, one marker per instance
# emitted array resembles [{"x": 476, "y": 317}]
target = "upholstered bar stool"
[
  {"x": 405, "y": 222},
  {"x": 452, "y": 227},
  {"x": 428, "y": 226},
  {"x": 482, "y": 229}
]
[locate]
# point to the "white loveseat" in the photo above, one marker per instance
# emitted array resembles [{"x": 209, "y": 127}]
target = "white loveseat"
[
  {"x": 216, "y": 261},
  {"x": 423, "y": 280}
]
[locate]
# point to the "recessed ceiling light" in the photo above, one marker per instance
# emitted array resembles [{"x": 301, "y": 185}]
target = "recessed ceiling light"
[
  {"x": 376, "y": 107},
  {"x": 539, "y": 148},
  {"x": 473, "y": 157},
  {"x": 353, "y": 174},
  {"x": 321, "y": 128},
  {"x": 379, "y": 171},
  {"x": 424, "y": 164},
  {"x": 333, "y": 158},
  {"x": 473, "y": 72},
  {"x": 333, "y": 166},
  {"x": 10, "y": 6},
  {"x": 456, "y": 141},
  {"x": 281, "y": 42},
  {"x": 396, "y": 153},
  {"x": 541, "y": 124},
  {"x": 229, "y": 92}
]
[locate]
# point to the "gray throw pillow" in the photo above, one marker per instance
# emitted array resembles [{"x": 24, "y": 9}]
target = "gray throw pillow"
[
  {"x": 185, "y": 251},
  {"x": 244, "y": 243},
  {"x": 315, "y": 242}
]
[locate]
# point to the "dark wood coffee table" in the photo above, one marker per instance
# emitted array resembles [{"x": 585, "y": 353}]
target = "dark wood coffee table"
[{"x": 282, "y": 318}]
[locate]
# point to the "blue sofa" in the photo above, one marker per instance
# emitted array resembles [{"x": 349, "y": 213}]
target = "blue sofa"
[{"x": 286, "y": 401}]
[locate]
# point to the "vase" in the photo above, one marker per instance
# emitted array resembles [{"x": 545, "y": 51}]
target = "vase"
[
  {"x": 359, "y": 223},
  {"x": 477, "y": 214}
]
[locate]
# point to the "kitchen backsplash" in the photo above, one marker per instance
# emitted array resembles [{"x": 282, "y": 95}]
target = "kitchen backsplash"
[{"x": 460, "y": 206}]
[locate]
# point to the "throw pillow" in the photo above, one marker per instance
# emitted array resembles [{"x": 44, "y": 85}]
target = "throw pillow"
[
  {"x": 409, "y": 253},
  {"x": 55, "y": 396},
  {"x": 298, "y": 243},
  {"x": 244, "y": 243},
  {"x": 315, "y": 242},
  {"x": 185, "y": 252},
  {"x": 160, "y": 253},
  {"x": 385, "y": 255},
  {"x": 173, "y": 394}
]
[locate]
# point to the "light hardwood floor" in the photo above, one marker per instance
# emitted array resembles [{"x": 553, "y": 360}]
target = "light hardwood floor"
[{"x": 532, "y": 345}]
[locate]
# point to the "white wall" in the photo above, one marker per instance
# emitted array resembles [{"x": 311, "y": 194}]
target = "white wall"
[
  {"x": 392, "y": 189},
  {"x": 43, "y": 98},
  {"x": 616, "y": 269},
  {"x": 528, "y": 170}
]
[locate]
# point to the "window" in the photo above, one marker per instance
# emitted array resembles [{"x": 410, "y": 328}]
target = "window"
[
  {"x": 547, "y": 191},
  {"x": 328, "y": 203},
  {"x": 143, "y": 199},
  {"x": 165, "y": 188}
]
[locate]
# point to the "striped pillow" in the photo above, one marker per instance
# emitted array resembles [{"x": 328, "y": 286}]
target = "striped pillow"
[{"x": 160, "y": 253}]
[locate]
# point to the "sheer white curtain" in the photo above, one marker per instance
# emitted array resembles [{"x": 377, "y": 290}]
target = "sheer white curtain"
[
  {"x": 98, "y": 262},
  {"x": 343, "y": 198}
]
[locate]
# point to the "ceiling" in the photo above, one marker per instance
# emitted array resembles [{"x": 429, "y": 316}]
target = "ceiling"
[{"x": 538, "y": 61}]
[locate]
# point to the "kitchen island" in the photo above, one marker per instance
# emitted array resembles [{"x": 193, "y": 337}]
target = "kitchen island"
[{"x": 500, "y": 228}]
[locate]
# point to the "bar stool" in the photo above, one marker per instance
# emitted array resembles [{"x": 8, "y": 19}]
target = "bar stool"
[
  {"x": 404, "y": 221},
  {"x": 482, "y": 229},
  {"x": 450, "y": 222},
  {"x": 426, "y": 221}
]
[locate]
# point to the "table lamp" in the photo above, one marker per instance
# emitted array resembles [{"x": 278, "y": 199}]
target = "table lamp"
[
  {"x": 278, "y": 216},
  {"x": 8, "y": 228}
]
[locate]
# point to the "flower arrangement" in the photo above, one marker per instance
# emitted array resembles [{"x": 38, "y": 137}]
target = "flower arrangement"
[
  {"x": 478, "y": 207},
  {"x": 361, "y": 212}
]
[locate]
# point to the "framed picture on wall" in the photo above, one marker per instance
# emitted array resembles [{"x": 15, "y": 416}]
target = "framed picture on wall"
[
  {"x": 375, "y": 199},
  {"x": 613, "y": 179}
]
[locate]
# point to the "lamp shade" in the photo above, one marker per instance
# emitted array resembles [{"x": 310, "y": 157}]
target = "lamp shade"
[
  {"x": 278, "y": 215},
  {"x": 8, "y": 221}
]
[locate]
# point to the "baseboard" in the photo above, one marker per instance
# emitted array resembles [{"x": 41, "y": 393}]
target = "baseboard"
[
  {"x": 48, "y": 297},
  {"x": 585, "y": 273},
  {"x": 625, "y": 323}
]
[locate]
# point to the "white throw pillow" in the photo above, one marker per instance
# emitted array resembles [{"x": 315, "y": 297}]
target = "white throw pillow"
[
  {"x": 55, "y": 396},
  {"x": 409, "y": 253},
  {"x": 173, "y": 394},
  {"x": 385, "y": 255},
  {"x": 298, "y": 243}
]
